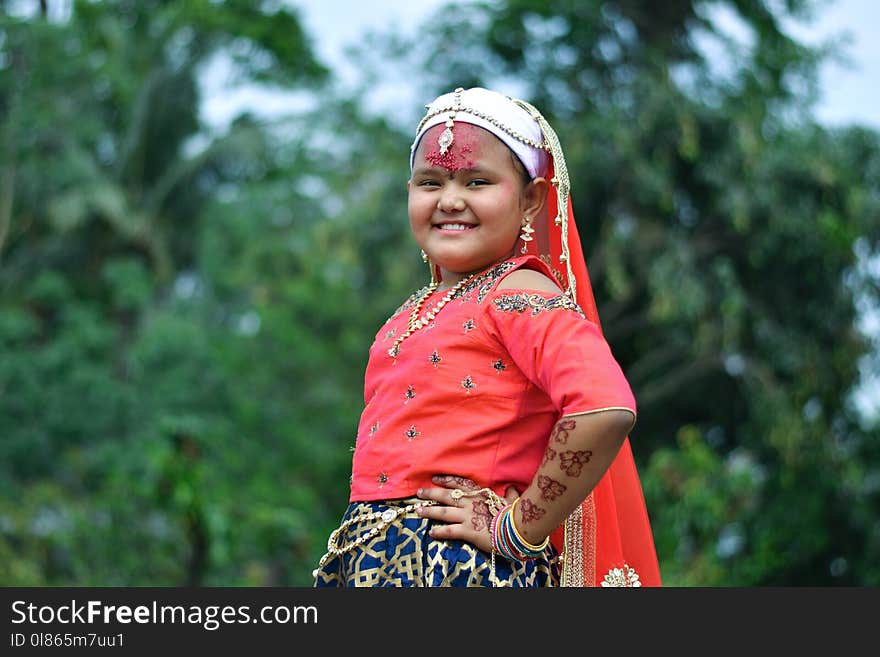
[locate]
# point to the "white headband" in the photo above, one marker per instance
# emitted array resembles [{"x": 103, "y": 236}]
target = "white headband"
[{"x": 494, "y": 112}]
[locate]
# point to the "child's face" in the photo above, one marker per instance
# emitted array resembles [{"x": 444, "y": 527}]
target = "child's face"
[{"x": 466, "y": 206}]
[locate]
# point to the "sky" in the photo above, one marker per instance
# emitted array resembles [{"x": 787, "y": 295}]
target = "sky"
[{"x": 850, "y": 91}]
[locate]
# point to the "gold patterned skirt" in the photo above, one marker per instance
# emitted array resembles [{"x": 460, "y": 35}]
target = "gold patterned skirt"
[{"x": 402, "y": 554}]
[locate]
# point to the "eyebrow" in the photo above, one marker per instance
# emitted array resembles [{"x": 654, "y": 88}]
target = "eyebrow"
[{"x": 427, "y": 171}]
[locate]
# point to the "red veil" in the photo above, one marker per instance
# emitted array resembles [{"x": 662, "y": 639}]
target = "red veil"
[{"x": 607, "y": 540}]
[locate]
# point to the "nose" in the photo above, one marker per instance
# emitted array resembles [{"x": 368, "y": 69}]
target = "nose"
[{"x": 450, "y": 200}]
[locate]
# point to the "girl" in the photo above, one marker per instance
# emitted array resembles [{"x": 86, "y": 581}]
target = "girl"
[{"x": 493, "y": 449}]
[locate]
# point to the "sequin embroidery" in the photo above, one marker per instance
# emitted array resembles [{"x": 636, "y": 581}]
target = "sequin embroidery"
[
  {"x": 486, "y": 282},
  {"x": 625, "y": 577},
  {"x": 521, "y": 302}
]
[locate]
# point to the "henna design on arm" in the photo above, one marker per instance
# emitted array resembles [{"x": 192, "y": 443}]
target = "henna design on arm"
[
  {"x": 550, "y": 488},
  {"x": 530, "y": 510},
  {"x": 561, "y": 431},
  {"x": 572, "y": 462},
  {"x": 549, "y": 455}
]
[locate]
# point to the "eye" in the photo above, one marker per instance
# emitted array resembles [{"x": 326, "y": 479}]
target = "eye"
[
  {"x": 427, "y": 183},
  {"x": 477, "y": 182}
]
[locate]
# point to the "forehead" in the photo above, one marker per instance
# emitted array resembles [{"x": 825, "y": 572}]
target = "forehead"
[{"x": 471, "y": 144}]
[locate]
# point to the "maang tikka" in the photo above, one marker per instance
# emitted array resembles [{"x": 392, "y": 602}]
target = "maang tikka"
[{"x": 447, "y": 138}]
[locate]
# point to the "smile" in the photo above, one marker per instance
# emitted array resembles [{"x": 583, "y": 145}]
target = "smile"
[{"x": 455, "y": 226}]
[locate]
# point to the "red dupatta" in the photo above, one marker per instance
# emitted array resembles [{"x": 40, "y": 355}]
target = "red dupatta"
[{"x": 607, "y": 540}]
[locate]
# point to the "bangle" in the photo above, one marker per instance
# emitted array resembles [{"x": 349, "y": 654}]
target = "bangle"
[
  {"x": 523, "y": 542},
  {"x": 508, "y": 542},
  {"x": 500, "y": 541}
]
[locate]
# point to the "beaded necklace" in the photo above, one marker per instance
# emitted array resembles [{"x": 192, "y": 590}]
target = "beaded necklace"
[{"x": 415, "y": 323}]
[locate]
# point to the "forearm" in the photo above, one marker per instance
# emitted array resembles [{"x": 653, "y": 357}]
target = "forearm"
[{"x": 579, "y": 452}]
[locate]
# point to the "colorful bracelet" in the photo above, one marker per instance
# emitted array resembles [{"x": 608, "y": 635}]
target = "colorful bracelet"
[
  {"x": 508, "y": 542},
  {"x": 503, "y": 541},
  {"x": 522, "y": 544}
]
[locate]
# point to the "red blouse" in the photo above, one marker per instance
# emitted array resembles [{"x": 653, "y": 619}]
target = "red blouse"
[{"x": 477, "y": 392}]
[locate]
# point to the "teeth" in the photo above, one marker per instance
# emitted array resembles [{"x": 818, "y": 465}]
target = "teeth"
[{"x": 454, "y": 226}]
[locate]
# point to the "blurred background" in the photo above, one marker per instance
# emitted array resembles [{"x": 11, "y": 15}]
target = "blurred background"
[{"x": 203, "y": 223}]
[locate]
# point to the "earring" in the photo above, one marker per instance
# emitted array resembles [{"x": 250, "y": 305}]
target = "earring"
[
  {"x": 526, "y": 234},
  {"x": 435, "y": 278}
]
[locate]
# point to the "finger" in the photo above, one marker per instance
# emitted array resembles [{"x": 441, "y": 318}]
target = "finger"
[
  {"x": 511, "y": 494},
  {"x": 462, "y": 532},
  {"x": 447, "y": 514},
  {"x": 436, "y": 494},
  {"x": 446, "y": 532},
  {"x": 454, "y": 481},
  {"x": 442, "y": 496}
]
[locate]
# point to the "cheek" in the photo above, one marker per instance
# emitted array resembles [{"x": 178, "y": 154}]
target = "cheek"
[
  {"x": 508, "y": 201},
  {"x": 419, "y": 207}
]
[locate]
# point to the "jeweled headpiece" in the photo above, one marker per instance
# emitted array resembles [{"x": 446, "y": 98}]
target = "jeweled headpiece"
[{"x": 495, "y": 112}]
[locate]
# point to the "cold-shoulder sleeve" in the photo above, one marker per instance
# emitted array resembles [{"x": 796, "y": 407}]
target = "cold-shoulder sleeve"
[{"x": 559, "y": 350}]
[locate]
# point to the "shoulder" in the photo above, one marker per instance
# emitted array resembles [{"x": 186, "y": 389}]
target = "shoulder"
[
  {"x": 529, "y": 279},
  {"x": 531, "y": 287}
]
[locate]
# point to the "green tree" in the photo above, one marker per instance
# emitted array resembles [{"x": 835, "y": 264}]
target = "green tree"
[{"x": 114, "y": 419}]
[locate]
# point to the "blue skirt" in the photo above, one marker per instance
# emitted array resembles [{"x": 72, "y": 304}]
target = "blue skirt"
[{"x": 402, "y": 554}]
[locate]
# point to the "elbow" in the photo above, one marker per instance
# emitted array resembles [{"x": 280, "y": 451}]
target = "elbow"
[
  {"x": 607, "y": 428},
  {"x": 618, "y": 424},
  {"x": 627, "y": 420}
]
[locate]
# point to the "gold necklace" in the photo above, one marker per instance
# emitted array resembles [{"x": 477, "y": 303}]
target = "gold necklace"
[{"x": 415, "y": 323}]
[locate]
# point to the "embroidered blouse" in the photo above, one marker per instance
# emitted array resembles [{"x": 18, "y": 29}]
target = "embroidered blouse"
[{"x": 477, "y": 392}]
